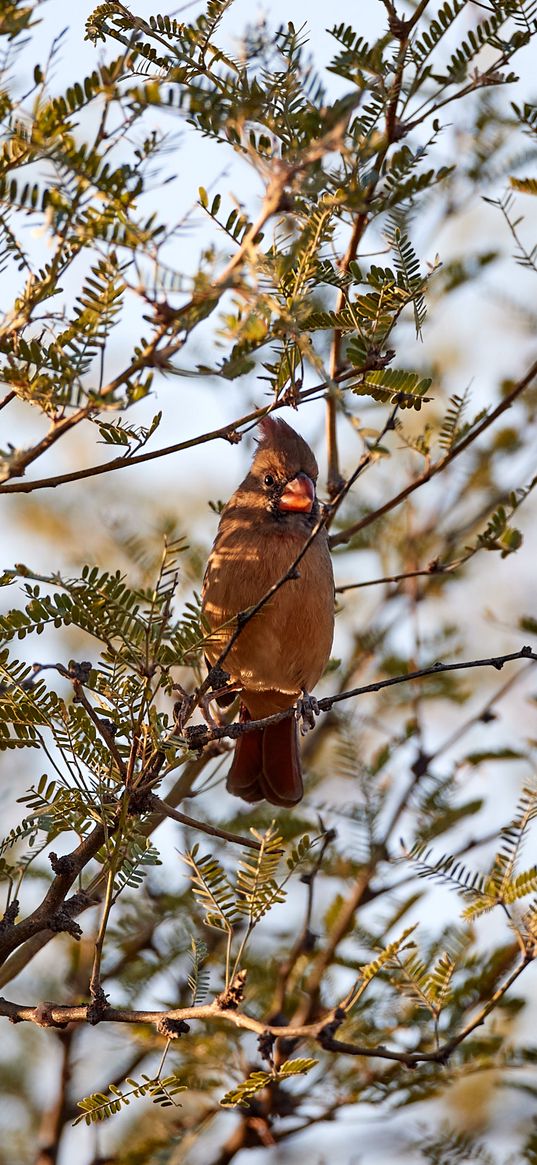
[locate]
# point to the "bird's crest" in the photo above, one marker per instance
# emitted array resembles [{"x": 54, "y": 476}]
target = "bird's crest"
[
  {"x": 277, "y": 435},
  {"x": 273, "y": 430}
]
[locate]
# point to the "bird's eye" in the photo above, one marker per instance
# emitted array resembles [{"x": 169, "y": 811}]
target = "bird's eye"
[{"x": 268, "y": 479}]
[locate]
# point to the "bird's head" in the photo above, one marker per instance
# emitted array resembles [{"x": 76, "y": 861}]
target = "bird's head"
[{"x": 284, "y": 472}]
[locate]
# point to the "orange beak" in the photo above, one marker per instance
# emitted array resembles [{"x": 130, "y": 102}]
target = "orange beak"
[{"x": 298, "y": 495}]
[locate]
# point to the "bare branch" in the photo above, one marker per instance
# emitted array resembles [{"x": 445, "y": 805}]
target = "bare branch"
[
  {"x": 434, "y": 568},
  {"x": 55, "y": 1117},
  {"x": 326, "y": 703},
  {"x": 202, "y": 826}
]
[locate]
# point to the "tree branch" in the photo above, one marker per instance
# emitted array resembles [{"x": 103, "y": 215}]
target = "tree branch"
[
  {"x": 204, "y": 735},
  {"x": 92, "y": 894},
  {"x": 49, "y": 914},
  {"x": 322, "y": 1031},
  {"x": 203, "y": 826},
  {"x": 54, "y": 1118},
  {"x": 345, "y": 536},
  {"x": 7, "y": 398},
  {"x": 229, "y": 432},
  {"x": 434, "y": 568}
]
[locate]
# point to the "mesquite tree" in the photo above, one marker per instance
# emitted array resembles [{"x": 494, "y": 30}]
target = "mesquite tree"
[{"x": 283, "y": 964}]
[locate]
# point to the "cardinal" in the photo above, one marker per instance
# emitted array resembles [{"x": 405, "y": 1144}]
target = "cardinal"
[{"x": 282, "y": 651}]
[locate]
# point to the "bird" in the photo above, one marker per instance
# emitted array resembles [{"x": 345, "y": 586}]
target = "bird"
[{"x": 280, "y": 654}]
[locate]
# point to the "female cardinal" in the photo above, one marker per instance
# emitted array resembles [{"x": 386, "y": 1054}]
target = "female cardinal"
[{"x": 282, "y": 651}]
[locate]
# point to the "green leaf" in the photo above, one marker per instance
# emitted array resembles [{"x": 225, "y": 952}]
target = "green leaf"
[
  {"x": 391, "y": 385},
  {"x": 198, "y": 980},
  {"x": 212, "y": 889},
  {"x": 369, "y": 970},
  {"x": 256, "y": 1081},
  {"x": 257, "y": 889},
  {"x": 243, "y": 1093},
  {"x": 298, "y": 1067},
  {"x": 101, "y": 1106}
]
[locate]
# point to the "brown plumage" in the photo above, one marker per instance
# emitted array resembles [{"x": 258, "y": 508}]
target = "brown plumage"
[{"x": 284, "y": 649}]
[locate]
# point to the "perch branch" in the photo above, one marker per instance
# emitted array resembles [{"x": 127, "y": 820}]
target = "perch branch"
[{"x": 204, "y": 735}]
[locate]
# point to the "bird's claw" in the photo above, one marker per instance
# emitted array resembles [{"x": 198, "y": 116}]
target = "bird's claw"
[
  {"x": 205, "y": 709},
  {"x": 216, "y": 720},
  {"x": 307, "y": 708}
]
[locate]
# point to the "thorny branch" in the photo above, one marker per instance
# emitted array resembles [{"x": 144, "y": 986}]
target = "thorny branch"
[{"x": 322, "y": 1031}]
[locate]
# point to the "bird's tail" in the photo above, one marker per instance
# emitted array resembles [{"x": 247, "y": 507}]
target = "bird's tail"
[{"x": 266, "y": 763}]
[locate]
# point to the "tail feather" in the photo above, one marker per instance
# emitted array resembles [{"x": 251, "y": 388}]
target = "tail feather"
[
  {"x": 282, "y": 771},
  {"x": 244, "y": 775},
  {"x": 266, "y": 764}
]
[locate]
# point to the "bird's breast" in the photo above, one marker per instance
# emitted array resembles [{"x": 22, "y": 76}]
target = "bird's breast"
[{"x": 286, "y": 645}]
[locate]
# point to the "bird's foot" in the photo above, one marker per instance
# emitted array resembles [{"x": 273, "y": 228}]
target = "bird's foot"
[
  {"x": 307, "y": 709},
  {"x": 215, "y": 721}
]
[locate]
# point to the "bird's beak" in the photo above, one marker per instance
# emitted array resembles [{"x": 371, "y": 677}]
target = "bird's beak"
[{"x": 298, "y": 495}]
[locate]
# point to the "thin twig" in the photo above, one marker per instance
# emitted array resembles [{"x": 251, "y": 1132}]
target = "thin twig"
[
  {"x": 95, "y": 988},
  {"x": 101, "y": 726},
  {"x": 304, "y": 940},
  {"x": 481, "y": 716},
  {"x": 202, "y": 826},
  {"x": 434, "y": 568}
]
